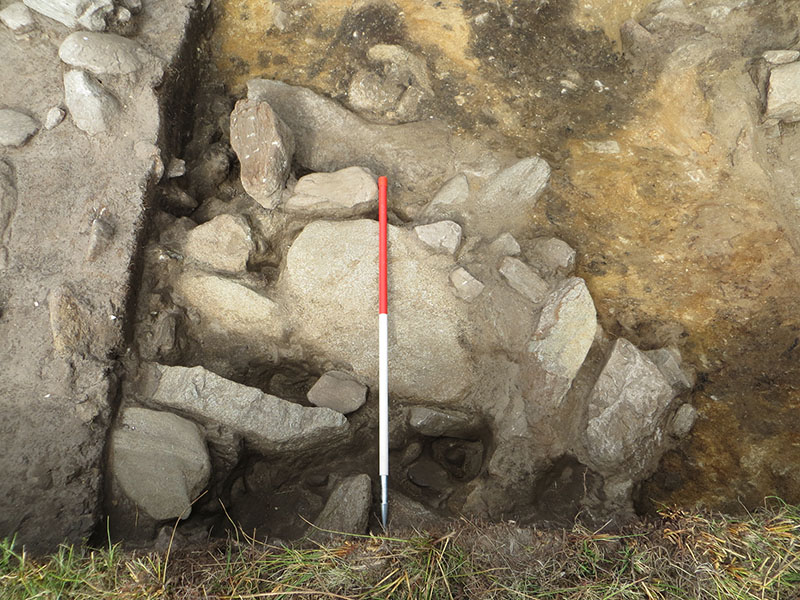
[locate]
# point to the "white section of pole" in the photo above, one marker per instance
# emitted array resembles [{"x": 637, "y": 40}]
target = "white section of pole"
[{"x": 383, "y": 410}]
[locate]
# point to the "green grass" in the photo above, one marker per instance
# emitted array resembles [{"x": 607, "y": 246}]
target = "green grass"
[{"x": 680, "y": 555}]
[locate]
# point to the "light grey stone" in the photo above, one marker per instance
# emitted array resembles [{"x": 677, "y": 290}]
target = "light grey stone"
[
  {"x": 668, "y": 361},
  {"x": 434, "y": 422},
  {"x": 160, "y": 462},
  {"x": 505, "y": 245},
  {"x": 223, "y": 244},
  {"x": 89, "y": 14},
  {"x": 103, "y": 53},
  {"x": 373, "y": 95},
  {"x": 442, "y": 236},
  {"x": 523, "y": 279},
  {"x": 451, "y": 195},
  {"x": 627, "y": 408},
  {"x": 16, "y": 128},
  {"x": 347, "y": 509},
  {"x": 54, "y": 117},
  {"x": 268, "y": 424},
  {"x": 344, "y": 193},
  {"x": 176, "y": 168},
  {"x": 91, "y": 106},
  {"x": 329, "y": 281},
  {"x": 338, "y": 391},
  {"x": 17, "y": 18},
  {"x": 509, "y": 198},
  {"x": 466, "y": 286},
  {"x": 781, "y": 57},
  {"x": 683, "y": 421},
  {"x": 783, "y": 93},
  {"x": 552, "y": 257},
  {"x": 100, "y": 235},
  {"x": 264, "y": 145}
]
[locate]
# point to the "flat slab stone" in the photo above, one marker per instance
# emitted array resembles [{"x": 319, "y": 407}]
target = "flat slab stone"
[
  {"x": 465, "y": 285},
  {"x": 160, "y": 462},
  {"x": 268, "y": 424},
  {"x": 344, "y": 193},
  {"x": 443, "y": 236},
  {"x": 16, "y": 128},
  {"x": 103, "y": 53},
  {"x": 338, "y": 391},
  {"x": 523, "y": 279},
  {"x": 783, "y": 93}
]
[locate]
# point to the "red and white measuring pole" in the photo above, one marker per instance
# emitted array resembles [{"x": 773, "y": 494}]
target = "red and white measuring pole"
[{"x": 383, "y": 352}]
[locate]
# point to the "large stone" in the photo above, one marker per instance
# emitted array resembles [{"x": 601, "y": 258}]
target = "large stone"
[
  {"x": 268, "y": 424},
  {"x": 92, "y": 107},
  {"x": 17, "y": 18},
  {"x": 507, "y": 201},
  {"x": 443, "y": 236},
  {"x": 223, "y": 244},
  {"x": 338, "y": 391},
  {"x": 264, "y": 145},
  {"x": 103, "y": 53},
  {"x": 89, "y": 14},
  {"x": 345, "y": 193},
  {"x": 627, "y": 410},
  {"x": 783, "y": 94},
  {"x": 330, "y": 282},
  {"x": 347, "y": 509},
  {"x": 16, "y": 128},
  {"x": 159, "y": 461},
  {"x": 523, "y": 279}
]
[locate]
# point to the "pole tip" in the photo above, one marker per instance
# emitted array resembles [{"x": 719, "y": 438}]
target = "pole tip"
[{"x": 384, "y": 512}]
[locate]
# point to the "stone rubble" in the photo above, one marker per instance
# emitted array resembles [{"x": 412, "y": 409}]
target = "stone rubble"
[
  {"x": 553, "y": 258},
  {"x": 443, "y": 236},
  {"x": 345, "y": 193},
  {"x": 781, "y": 57},
  {"x": 523, "y": 279},
  {"x": 16, "y": 128},
  {"x": 92, "y": 108},
  {"x": 338, "y": 391},
  {"x": 505, "y": 245},
  {"x": 453, "y": 194}
]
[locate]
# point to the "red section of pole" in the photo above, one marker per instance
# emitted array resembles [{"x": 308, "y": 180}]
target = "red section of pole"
[{"x": 382, "y": 254}]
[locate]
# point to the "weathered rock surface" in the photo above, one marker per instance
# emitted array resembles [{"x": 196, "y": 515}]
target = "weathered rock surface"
[
  {"x": 268, "y": 424},
  {"x": 264, "y": 145},
  {"x": 92, "y": 107},
  {"x": 627, "y": 409},
  {"x": 17, "y": 18},
  {"x": 781, "y": 57},
  {"x": 160, "y": 462},
  {"x": 442, "y": 236},
  {"x": 451, "y": 196},
  {"x": 91, "y": 14},
  {"x": 783, "y": 95},
  {"x": 552, "y": 257},
  {"x": 509, "y": 198},
  {"x": 16, "y": 128},
  {"x": 103, "y": 53},
  {"x": 338, "y": 391},
  {"x": 54, "y": 117},
  {"x": 347, "y": 509},
  {"x": 466, "y": 286},
  {"x": 434, "y": 422},
  {"x": 222, "y": 244},
  {"x": 345, "y": 193},
  {"x": 523, "y": 279},
  {"x": 683, "y": 421},
  {"x": 329, "y": 280},
  {"x": 505, "y": 245},
  {"x": 668, "y": 361}
]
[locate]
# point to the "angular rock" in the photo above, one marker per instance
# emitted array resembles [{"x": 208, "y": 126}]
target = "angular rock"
[
  {"x": 443, "y": 236},
  {"x": 16, "y": 128},
  {"x": 264, "y": 145},
  {"x": 505, "y": 245},
  {"x": 781, "y": 57},
  {"x": 329, "y": 280},
  {"x": 510, "y": 197},
  {"x": 668, "y": 361},
  {"x": 103, "y": 53},
  {"x": 17, "y": 18},
  {"x": 54, "y": 117},
  {"x": 552, "y": 257},
  {"x": 410, "y": 514},
  {"x": 160, "y": 462},
  {"x": 466, "y": 286},
  {"x": 89, "y": 14},
  {"x": 783, "y": 94},
  {"x": 338, "y": 391},
  {"x": 268, "y": 424},
  {"x": 523, "y": 279},
  {"x": 627, "y": 408},
  {"x": 92, "y": 107},
  {"x": 176, "y": 168},
  {"x": 683, "y": 421},
  {"x": 451, "y": 195},
  {"x": 345, "y": 193},
  {"x": 436, "y": 423},
  {"x": 347, "y": 509},
  {"x": 222, "y": 244}
]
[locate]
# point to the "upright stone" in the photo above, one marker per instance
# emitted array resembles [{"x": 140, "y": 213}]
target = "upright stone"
[
  {"x": 347, "y": 509},
  {"x": 264, "y": 145}
]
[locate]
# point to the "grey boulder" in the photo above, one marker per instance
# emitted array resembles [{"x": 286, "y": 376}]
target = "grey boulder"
[
  {"x": 159, "y": 461},
  {"x": 442, "y": 236},
  {"x": 465, "y": 285},
  {"x": 103, "y": 53},
  {"x": 16, "y": 128},
  {"x": 552, "y": 257}
]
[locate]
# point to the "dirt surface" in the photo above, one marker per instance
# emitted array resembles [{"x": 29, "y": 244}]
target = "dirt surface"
[{"x": 686, "y": 233}]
